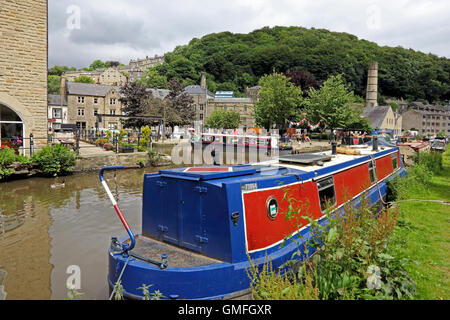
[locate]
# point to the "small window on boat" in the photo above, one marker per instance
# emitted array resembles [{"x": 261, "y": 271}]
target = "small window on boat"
[
  {"x": 372, "y": 172},
  {"x": 394, "y": 160},
  {"x": 327, "y": 196}
]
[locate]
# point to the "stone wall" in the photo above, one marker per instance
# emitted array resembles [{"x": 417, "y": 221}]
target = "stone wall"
[{"x": 23, "y": 62}]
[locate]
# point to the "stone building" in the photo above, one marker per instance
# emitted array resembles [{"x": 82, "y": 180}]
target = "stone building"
[
  {"x": 427, "y": 119},
  {"x": 205, "y": 102},
  {"x": 57, "y": 112},
  {"x": 85, "y": 101},
  {"x": 113, "y": 76},
  {"x": 136, "y": 68},
  {"x": 383, "y": 118},
  {"x": 23, "y": 71}
]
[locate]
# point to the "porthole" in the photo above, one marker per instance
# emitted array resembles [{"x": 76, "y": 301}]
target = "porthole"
[{"x": 272, "y": 208}]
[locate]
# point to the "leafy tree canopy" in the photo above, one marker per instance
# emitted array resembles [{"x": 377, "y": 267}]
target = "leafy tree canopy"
[
  {"x": 84, "y": 79},
  {"x": 236, "y": 61},
  {"x": 223, "y": 119},
  {"x": 279, "y": 100}
]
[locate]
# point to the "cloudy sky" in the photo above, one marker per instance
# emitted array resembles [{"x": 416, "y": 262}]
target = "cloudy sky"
[{"x": 81, "y": 31}]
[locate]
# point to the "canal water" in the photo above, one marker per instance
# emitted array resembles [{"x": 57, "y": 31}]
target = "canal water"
[{"x": 50, "y": 233}]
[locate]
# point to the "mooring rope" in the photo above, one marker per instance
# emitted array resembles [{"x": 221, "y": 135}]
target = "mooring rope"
[{"x": 120, "y": 277}]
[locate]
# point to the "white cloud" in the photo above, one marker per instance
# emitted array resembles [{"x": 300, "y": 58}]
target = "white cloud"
[{"x": 121, "y": 30}]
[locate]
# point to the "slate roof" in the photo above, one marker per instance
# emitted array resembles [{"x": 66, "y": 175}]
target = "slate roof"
[
  {"x": 196, "y": 89},
  {"x": 88, "y": 89},
  {"x": 159, "y": 93},
  {"x": 375, "y": 115},
  {"x": 55, "y": 100}
]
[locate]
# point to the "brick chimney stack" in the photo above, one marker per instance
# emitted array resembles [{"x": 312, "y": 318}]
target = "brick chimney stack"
[{"x": 372, "y": 85}]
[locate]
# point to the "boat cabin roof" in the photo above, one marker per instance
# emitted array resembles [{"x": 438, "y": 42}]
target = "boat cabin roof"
[{"x": 305, "y": 165}]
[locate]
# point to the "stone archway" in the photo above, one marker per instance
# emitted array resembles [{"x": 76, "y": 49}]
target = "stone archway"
[{"x": 15, "y": 120}]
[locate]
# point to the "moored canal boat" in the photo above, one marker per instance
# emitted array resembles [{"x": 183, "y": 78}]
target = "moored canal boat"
[{"x": 200, "y": 225}]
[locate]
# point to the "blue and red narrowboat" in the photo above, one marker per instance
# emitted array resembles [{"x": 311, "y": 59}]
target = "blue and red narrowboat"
[{"x": 200, "y": 225}]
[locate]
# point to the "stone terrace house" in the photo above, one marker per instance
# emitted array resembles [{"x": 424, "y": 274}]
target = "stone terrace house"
[
  {"x": 383, "y": 118},
  {"x": 114, "y": 76},
  {"x": 427, "y": 119},
  {"x": 57, "y": 112},
  {"x": 85, "y": 101},
  {"x": 23, "y": 70}
]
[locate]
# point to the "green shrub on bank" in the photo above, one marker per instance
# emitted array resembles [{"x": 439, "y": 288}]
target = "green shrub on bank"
[
  {"x": 7, "y": 157},
  {"x": 352, "y": 259},
  {"x": 55, "y": 160},
  {"x": 431, "y": 160}
]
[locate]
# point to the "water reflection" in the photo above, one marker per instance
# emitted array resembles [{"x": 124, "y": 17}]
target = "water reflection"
[{"x": 44, "y": 230}]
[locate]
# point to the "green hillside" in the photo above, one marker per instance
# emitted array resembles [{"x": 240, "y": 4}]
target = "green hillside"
[{"x": 235, "y": 61}]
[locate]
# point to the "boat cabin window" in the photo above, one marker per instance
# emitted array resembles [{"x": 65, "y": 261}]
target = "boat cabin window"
[
  {"x": 394, "y": 160},
  {"x": 327, "y": 196},
  {"x": 372, "y": 172}
]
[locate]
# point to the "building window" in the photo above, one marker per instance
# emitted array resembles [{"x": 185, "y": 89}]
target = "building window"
[
  {"x": 57, "y": 113},
  {"x": 95, "y": 112},
  {"x": 80, "y": 112},
  {"x": 112, "y": 111},
  {"x": 372, "y": 172},
  {"x": 195, "y": 107},
  {"x": 112, "y": 126},
  {"x": 201, "y": 116},
  {"x": 80, "y": 99},
  {"x": 112, "y": 101},
  {"x": 95, "y": 100},
  {"x": 201, "y": 107},
  {"x": 327, "y": 196}
]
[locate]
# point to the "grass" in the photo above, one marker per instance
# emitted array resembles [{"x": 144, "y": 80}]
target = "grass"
[{"x": 424, "y": 233}]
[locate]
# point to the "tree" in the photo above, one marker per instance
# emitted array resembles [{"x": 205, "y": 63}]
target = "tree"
[
  {"x": 99, "y": 64},
  {"x": 331, "y": 104},
  {"x": 133, "y": 101},
  {"x": 53, "y": 84},
  {"x": 303, "y": 80},
  {"x": 279, "y": 100},
  {"x": 179, "y": 109},
  {"x": 84, "y": 79},
  {"x": 152, "y": 79},
  {"x": 59, "y": 70},
  {"x": 222, "y": 119}
]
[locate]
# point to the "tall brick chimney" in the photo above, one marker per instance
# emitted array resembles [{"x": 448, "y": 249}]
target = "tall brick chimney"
[
  {"x": 203, "y": 81},
  {"x": 372, "y": 85}
]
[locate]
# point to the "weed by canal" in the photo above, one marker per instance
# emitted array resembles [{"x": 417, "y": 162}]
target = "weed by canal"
[{"x": 351, "y": 257}]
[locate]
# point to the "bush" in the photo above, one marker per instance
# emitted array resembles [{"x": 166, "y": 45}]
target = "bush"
[
  {"x": 431, "y": 160},
  {"x": 154, "y": 156},
  {"x": 145, "y": 138},
  {"x": 8, "y": 156},
  {"x": 55, "y": 160},
  {"x": 349, "y": 258}
]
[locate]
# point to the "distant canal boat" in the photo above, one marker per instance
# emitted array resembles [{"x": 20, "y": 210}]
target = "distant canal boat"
[
  {"x": 200, "y": 225},
  {"x": 268, "y": 144}
]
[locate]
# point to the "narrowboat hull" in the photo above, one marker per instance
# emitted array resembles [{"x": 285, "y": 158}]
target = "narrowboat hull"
[{"x": 212, "y": 221}]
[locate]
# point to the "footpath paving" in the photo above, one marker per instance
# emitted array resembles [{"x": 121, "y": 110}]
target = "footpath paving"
[{"x": 91, "y": 150}]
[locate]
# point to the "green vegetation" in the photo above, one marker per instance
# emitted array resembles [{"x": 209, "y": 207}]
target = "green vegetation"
[
  {"x": 423, "y": 230},
  {"x": 236, "y": 61},
  {"x": 279, "y": 99},
  {"x": 84, "y": 79},
  {"x": 400, "y": 253},
  {"x": 55, "y": 160},
  {"x": 53, "y": 84},
  {"x": 7, "y": 157},
  {"x": 223, "y": 119}
]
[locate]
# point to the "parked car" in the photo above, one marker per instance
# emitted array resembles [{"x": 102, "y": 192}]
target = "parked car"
[{"x": 438, "y": 144}]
